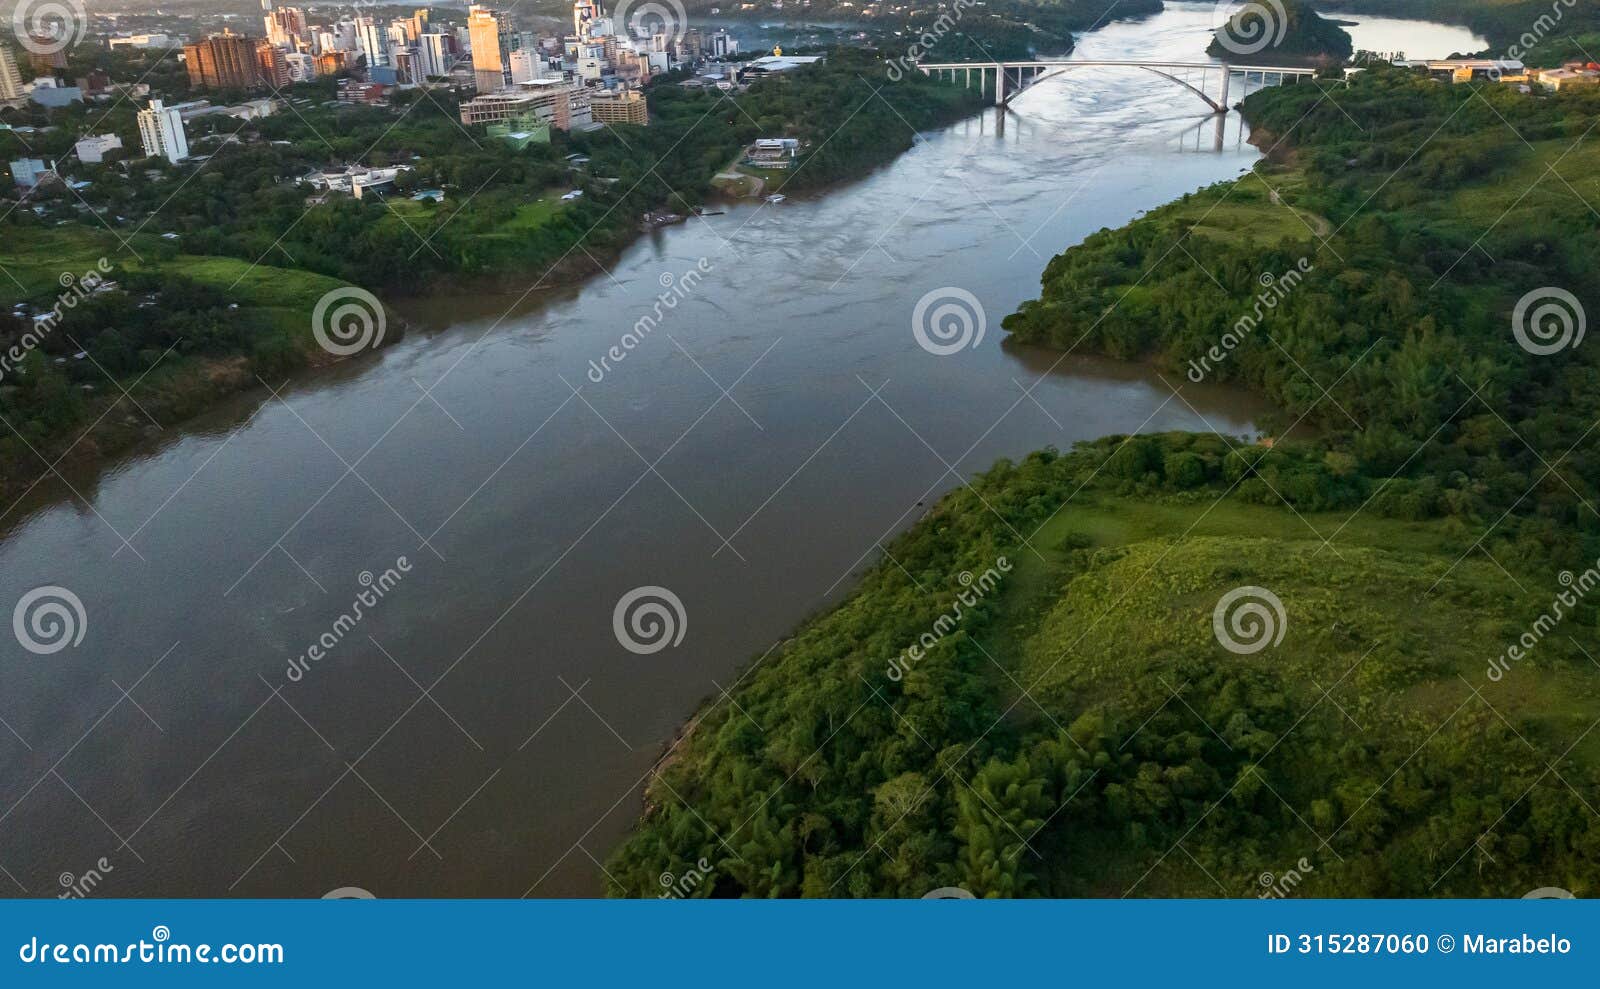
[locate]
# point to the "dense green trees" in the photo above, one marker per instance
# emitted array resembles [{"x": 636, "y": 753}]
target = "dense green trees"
[
  {"x": 1084, "y": 734},
  {"x": 1083, "y": 731},
  {"x": 1422, "y": 235}
]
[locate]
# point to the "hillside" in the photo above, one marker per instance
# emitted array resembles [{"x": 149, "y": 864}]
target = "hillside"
[
  {"x": 1032, "y": 694},
  {"x": 1414, "y": 258},
  {"x": 1080, "y": 729},
  {"x": 1266, "y": 31}
]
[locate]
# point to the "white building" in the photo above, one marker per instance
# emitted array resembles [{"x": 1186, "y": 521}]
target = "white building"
[
  {"x": 302, "y": 67},
  {"x": 526, "y": 65},
  {"x": 433, "y": 56},
  {"x": 373, "y": 41},
  {"x": 142, "y": 41},
  {"x": 161, "y": 130},
  {"x": 92, "y": 149}
]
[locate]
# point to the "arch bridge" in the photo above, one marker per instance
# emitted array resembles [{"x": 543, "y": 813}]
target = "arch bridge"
[{"x": 1008, "y": 80}]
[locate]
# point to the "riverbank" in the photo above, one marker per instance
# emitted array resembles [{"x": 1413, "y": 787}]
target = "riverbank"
[
  {"x": 545, "y": 517},
  {"x": 1013, "y": 734},
  {"x": 997, "y": 715},
  {"x": 1319, "y": 264},
  {"x": 66, "y": 415}
]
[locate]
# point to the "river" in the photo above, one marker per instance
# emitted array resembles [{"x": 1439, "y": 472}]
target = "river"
[{"x": 479, "y": 730}]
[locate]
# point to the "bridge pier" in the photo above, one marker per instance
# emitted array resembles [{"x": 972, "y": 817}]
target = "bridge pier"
[
  {"x": 1227, "y": 77},
  {"x": 999, "y": 84}
]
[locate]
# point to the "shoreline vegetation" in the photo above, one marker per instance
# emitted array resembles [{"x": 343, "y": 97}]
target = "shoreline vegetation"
[
  {"x": 198, "y": 326},
  {"x": 1437, "y": 519},
  {"x": 229, "y": 295}
]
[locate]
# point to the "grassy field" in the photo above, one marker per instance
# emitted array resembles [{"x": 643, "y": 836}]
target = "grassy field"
[
  {"x": 1258, "y": 208},
  {"x": 36, "y": 263},
  {"x": 276, "y": 303}
]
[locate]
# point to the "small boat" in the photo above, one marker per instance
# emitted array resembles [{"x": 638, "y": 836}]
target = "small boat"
[{"x": 775, "y": 198}]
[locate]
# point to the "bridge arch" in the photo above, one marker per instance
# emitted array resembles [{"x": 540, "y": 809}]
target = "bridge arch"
[
  {"x": 1042, "y": 69},
  {"x": 1213, "y": 104}
]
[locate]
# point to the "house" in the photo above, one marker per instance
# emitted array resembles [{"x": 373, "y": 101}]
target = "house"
[
  {"x": 92, "y": 149},
  {"x": 29, "y": 172},
  {"x": 1469, "y": 69},
  {"x": 1556, "y": 80},
  {"x": 772, "y": 152},
  {"x": 355, "y": 180}
]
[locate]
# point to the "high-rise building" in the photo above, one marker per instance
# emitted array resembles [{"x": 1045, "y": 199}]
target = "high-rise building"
[
  {"x": 331, "y": 63},
  {"x": 372, "y": 39},
  {"x": 584, "y": 11},
  {"x": 47, "y": 59},
  {"x": 417, "y": 26},
  {"x": 161, "y": 130},
  {"x": 272, "y": 65},
  {"x": 223, "y": 61},
  {"x": 302, "y": 67},
  {"x": 10, "y": 78},
  {"x": 491, "y": 34},
  {"x": 286, "y": 26},
  {"x": 691, "y": 46},
  {"x": 433, "y": 57}
]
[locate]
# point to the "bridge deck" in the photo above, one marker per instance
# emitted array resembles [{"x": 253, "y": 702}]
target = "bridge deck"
[{"x": 1048, "y": 63}]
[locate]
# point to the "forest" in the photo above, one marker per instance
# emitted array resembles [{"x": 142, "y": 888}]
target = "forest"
[{"x": 1422, "y": 507}]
